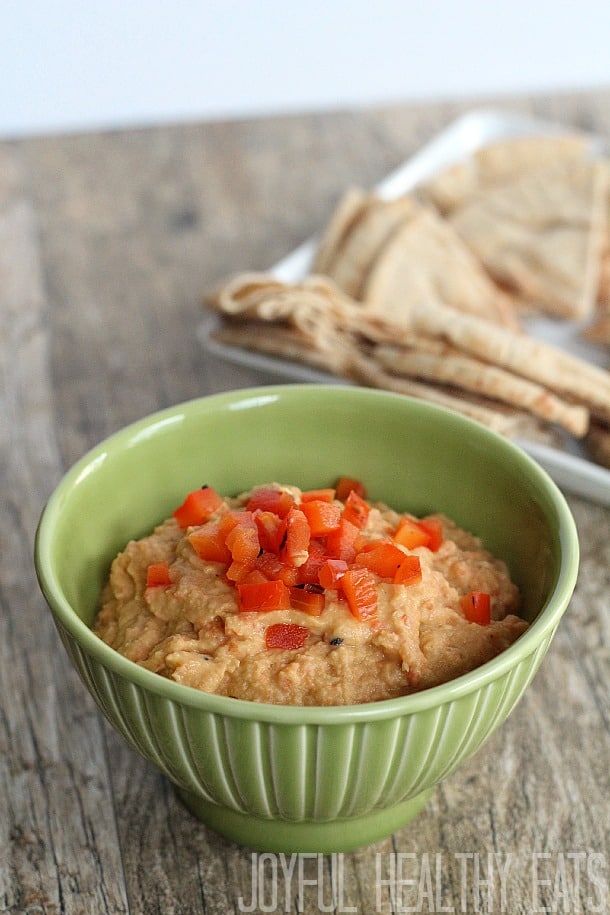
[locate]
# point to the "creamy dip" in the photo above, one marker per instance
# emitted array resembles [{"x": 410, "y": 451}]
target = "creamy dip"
[{"x": 255, "y": 622}]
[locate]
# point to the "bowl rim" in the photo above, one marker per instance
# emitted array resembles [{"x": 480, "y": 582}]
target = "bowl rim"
[{"x": 541, "y": 627}]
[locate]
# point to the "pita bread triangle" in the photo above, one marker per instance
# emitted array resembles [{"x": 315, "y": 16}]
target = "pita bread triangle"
[{"x": 541, "y": 235}]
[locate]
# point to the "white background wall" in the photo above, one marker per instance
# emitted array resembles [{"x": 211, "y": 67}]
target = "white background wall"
[{"x": 80, "y": 64}]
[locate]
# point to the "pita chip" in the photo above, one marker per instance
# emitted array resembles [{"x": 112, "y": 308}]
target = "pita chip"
[
  {"x": 424, "y": 260},
  {"x": 541, "y": 235},
  {"x": 522, "y": 354},
  {"x": 497, "y": 162},
  {"x": 345, "y": 213},
  {"x": 243, "y": 293},
  {"x": 504, "y": 160},
  {"x": 478, "y": 377},
  {"x": 367, "y": 370},
  {"x": 285, "y": 343},
  {"x": 368, "y": 235}
]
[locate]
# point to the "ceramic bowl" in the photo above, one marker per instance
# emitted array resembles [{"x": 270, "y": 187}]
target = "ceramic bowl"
[{"x": 291, "y": 779}]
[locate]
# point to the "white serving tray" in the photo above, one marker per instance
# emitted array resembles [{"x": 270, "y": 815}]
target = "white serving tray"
[{"x": 568, "y": 466}]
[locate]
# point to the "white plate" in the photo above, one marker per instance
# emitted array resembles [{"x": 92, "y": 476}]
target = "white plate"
[{"x": 569, "y": 467}]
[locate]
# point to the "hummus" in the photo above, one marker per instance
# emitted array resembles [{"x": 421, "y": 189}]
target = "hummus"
[{"x": 255, "y": 623}]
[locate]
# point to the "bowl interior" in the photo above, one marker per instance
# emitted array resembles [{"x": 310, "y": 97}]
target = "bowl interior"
[{"x": 410, "y": 454}]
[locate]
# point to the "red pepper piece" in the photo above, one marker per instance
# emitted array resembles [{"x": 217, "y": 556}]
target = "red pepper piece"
[
  {"x": 318, "y": 495},
  {"x": 408, "y": 571},
  {"x": 242, "y": 541},
  {"x": 157, "y": 575},
  {"x": 382, "y": 557},
  {"x": 331, "y": 573},
  {"x": 411, "y": 534},
  {"x": 271, "y": 566},
  {"x": 208, "y": 541},
  {"x": 323, "y": 517},
  {"x": 268, "y": 524},
  {"x": 345, "y": 485},
  {"x": 476, "y": 607},
  {"x": 255, "y": 578},
  {"x": 198, "y": 507},
  {"x": 340, "y": 543},
  {"x": 434, "y": 528},
  {"x": 228, "y": 520},
  {"x": 359, "y": 588},
  {"x": 268, "y": 499},
  {"x": 240, "y": 571},
  {"x": 308, "y": 598},
  {"x": 262, "y": 596},
  {"x": 294, "y": 538},
  {"x": 286, "y": 635},
  {"x": 356, "y": 510},
  {"x": 308, "y": 572}
]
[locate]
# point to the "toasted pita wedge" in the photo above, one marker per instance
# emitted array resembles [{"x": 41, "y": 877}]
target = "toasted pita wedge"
[
  {"x": 367, "y": 370},
  {"x": 541, "y": 362},
  {"x": 243, "y": 293},
  {"x": 368, "y": 235},
  {"x": 261, "y": 296},
  {"x": 502, "y": 160},
  {"x": 345, "y": 213},
  {"x": 424, "y": 260},
  {"x": 285, "y": 343},
  {"x": 542, "y": 234},
  {"x": 473, "y": 375},
  {"x": 451, "y": 187}
]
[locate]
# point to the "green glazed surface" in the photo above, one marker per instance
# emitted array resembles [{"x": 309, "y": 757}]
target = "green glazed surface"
[{"x": 305, "y": 779}]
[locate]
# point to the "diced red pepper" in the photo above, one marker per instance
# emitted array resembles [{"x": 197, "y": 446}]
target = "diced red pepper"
[
  {"x": 331, "y": 573},
  {"x": 318, "y": 495},
  {"x": 268, "y": 524},
  {"x": 255, "y": 578},
  {"x": 269, "y": 499},
  {"x": 345, "y": 485},
  {"x": 381, "y": 557},
  {"x": 308, "y": 598},
  {"x": 340, "y": 543},
  {"x": 240, "y": 571},
  {"x": 198, "y": 507},
  {"x": 262, "y": 596},
  {"x": 323, "y": 517},
  {"x": 308, "y": 572},
  {"x": 208, "y": 541},
  {"x": 271, "y": 566},
  {"x": 359, "y": 588},
  {"x": 294, "y": 538},
  {"x": 476, "y": 607},
  {"x": 157, "y": 575},
  {"x": 409, "y": 571},
  {"x": 434, "y": 528},
  {"x": 286, "y": 635},
  {"x": 280, "y": 555},
  {"x": 228, "y": 520},
  {"x": 411, "y": 534},
  {"x": 356, "y": 510},
  {"x": 242, "y": 541}
]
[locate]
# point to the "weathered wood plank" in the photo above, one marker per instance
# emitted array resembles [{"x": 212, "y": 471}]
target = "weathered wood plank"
[{"x": 58, "y": 843}]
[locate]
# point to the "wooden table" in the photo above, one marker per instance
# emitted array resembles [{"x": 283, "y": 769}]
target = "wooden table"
[{"x": 107, "y": 241}]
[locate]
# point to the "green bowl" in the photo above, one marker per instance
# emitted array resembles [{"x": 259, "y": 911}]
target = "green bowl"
[{"x": 295, "y": 779}]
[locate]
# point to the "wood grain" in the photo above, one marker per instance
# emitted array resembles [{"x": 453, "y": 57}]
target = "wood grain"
[{"x": 107, "y": 242}]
